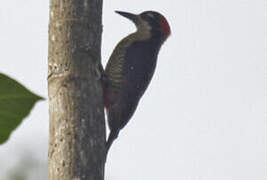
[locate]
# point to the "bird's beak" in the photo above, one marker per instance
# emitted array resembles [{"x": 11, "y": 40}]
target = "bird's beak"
[{"x": 130, "y": 16}]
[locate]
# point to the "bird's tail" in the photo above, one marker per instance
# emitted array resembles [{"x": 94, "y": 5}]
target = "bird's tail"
[{"x": 112, "y": 136}]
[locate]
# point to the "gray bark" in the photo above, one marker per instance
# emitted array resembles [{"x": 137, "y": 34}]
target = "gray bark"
[{"x": 77, "y": 126}]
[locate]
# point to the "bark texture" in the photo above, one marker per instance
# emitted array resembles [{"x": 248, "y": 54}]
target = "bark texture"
[{"x": 77, "y": 126}]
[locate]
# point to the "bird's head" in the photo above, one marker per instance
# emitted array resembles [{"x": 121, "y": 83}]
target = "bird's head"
[{"x": 150, "y": 22}]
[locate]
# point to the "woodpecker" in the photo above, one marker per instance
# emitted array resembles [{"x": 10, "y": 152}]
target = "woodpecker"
[{"x": 131, "y": 67}]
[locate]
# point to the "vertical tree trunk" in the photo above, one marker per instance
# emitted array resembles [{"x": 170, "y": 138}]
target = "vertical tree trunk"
[{"x": 77, "y": 126}]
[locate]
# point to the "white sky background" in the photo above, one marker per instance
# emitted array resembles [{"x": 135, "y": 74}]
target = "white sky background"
[{"x": 204, "y": 116}]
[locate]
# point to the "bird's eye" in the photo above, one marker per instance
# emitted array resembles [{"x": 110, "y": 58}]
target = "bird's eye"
[{"x": 150, "y": 15}]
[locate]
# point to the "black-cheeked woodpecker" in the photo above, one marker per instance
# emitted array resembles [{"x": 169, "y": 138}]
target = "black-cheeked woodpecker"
[{"x": 131, "y": 67}]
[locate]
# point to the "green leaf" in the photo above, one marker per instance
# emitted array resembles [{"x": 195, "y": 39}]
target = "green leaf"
[{"x": 16, "y": 102}]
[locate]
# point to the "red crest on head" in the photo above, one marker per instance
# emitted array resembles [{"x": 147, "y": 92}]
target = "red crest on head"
[{"x": 165, "y": 26}]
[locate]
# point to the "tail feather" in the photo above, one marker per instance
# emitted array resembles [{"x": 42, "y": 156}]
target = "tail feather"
[{"x": 112, "y": 136}]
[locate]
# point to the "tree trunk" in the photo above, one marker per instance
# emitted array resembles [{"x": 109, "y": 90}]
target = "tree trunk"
[{"x": 77, "y": 126}]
